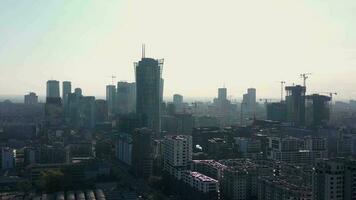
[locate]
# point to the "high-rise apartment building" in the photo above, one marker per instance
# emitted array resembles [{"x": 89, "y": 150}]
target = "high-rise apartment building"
[
  {"x": 31, "y": 99},
  {"x": 52, "y": 89},
  {"x": 111, "y": 99},
  {"x": 295, "y": 101},
  {"x": 177, "y": 154},
  {"x": 334, "y": 179},
  {"x": 66, "y": 89},
  {"x": 126, "y": 97}
]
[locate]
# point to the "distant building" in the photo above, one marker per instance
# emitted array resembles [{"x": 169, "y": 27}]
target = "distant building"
[
  {"x": 295, "y": 101},
  {"x": 66, "y": 89},
  {"x": 222, "y": 94},
  {"x": 249, "y": 102},
  {"x": 31, "y": 99},
  {"x": 52, "y": 89},
  {"x": 177, "y": 99},
  {"x": 101, "y": 111},
  {"x": 78, "y": 92},
  {"x": 277, "y": 111},
  {"x": 54, "y": 112},
  {"x": 178, "y": 103},
  {"x": 126, "y": 97},
  {"x": 149, "y": 90},
  {"x": 142, "y": 152},
  {"x": 111, "y": 99},
  {"x": 317, "y": 110},
  {"x": 87, "y": 111}
]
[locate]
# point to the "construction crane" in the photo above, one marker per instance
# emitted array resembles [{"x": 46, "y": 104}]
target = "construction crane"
[
  {"x": 112, "y": 79},
  {"x": 331, "y": 94},
  {"x": 305, "y": 76},
  {"x": 282, "y": 89}
]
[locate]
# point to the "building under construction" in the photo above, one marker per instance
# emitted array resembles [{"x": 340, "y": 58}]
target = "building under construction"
[
  {"x": 317, "y": 109},
  {"x": 295, "y": 102}
]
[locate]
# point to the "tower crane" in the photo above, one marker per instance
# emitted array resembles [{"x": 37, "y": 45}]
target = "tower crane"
[
  {"x": 331, "y": 94},
  {"x": 282, "y": 88},
  {"x": 112, "y": 79},
  {"x": 305, "y": 76}
]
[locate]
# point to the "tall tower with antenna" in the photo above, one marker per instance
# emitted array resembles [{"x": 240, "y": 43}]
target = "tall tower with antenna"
[{"x": 149, "y": 88}]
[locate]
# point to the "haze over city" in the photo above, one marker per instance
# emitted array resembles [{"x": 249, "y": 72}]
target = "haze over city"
[{"x": 235, "y": 43}]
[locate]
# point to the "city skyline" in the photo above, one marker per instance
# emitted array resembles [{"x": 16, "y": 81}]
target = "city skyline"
[{"x": 86, "y": 43}]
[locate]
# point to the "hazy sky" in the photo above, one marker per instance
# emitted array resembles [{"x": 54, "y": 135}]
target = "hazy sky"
[{"x": 205, "y": 44}]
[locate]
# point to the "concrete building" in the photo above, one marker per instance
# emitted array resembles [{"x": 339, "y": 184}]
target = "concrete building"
[
  {"x": 178, "y": 103},
  {"x": 210, "y": 168},
  {"x": 54, "y": 114},
  {"x": 101, "y": 111},
  {"x": 296, "y": 150},
  {"x": 142, "y": 152},
  {"x": 295, "y": 101},
  {"x": 177, "y": 153},
  {"x": 200, "y": 182},
  {"x": 126, "y": 97},
  {"x": 249, "y": 147},
  {"x": 124, "y": 148},
  {"x": 277, "y": 111},
  {"x": 31, "y": 99},
  {"x": 317, "y": 110},
  {"x": 111, "y": 99},
  {"x": 334, "y": 179},
  {"x": 53, "y": 89},
  {"x": 273, "y": 188},
  {"x": 222, "y": 94},
  {"x": 66, "y": 89},
  {"x": 149, "y": 90}
]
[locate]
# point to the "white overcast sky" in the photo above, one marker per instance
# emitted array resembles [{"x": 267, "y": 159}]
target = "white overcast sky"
[{"x": 205, "y": 43}]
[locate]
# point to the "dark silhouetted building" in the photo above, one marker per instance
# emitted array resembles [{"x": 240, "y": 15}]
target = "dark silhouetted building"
[
  {"x": 149, "y": 92},
  {"x": 54, "y": 112},
  {"x": 126, "y": 97},
  {"x": 101, "y": 111},
  {"x": 110, "y": 99},
  {"x": 277, "y": 111},
  {"x": 66, "y": 89},
  {"x": 295, "y": 101},
  {"x": 317, "y": 109},
  {"x": 142, "y": 157}
]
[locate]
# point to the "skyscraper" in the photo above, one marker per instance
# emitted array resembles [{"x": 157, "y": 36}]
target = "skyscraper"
[
  {"x": 149, "y": 91},
  {"x": 222, "y": 94},
  {"x": 111, "y": 99},
  {"x": 53, "y": 89},
  {"x": 66, "y": 89}
]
